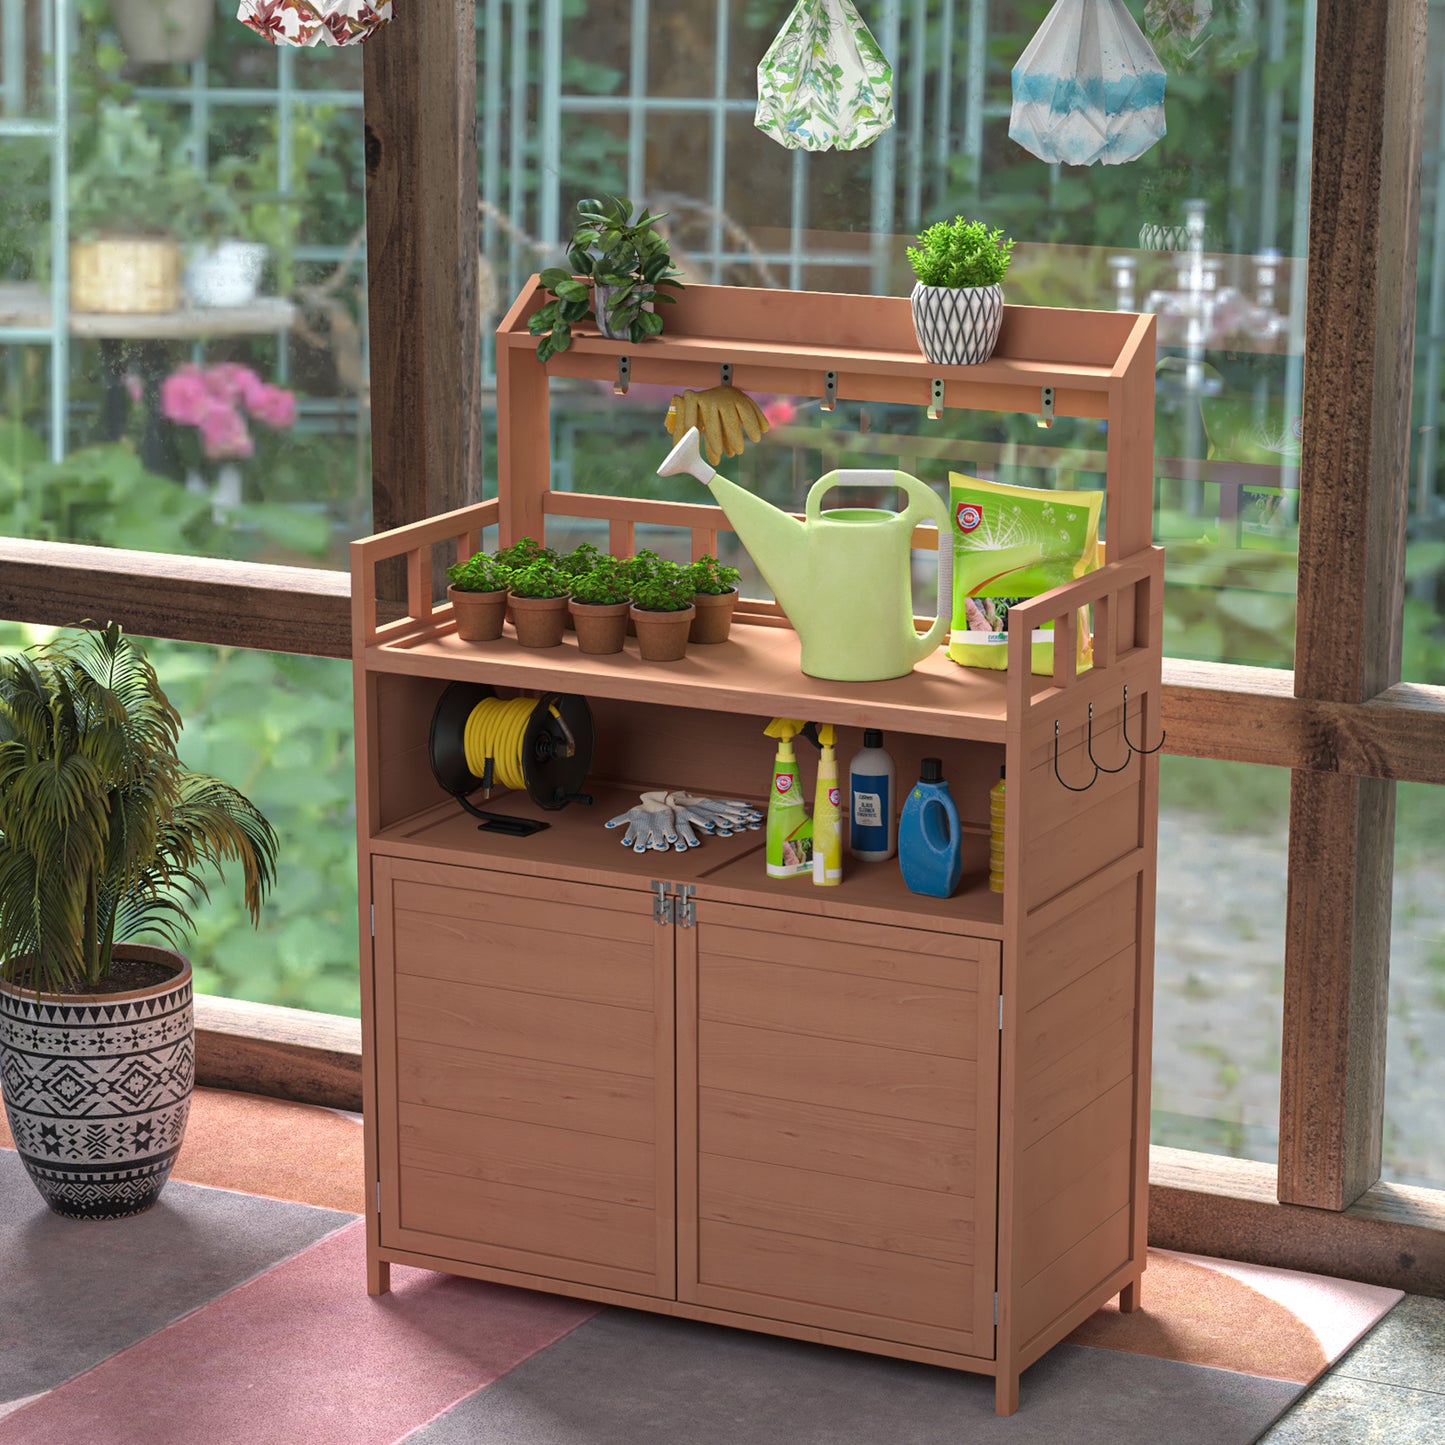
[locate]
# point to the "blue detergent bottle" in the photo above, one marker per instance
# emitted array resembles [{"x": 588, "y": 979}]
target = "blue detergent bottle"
[{"x": 930, "y": 847}]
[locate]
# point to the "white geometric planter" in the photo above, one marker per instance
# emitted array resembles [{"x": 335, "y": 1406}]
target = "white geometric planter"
[
  {"x": 957, "y": 325},
  {"x": 98, "y": 1089}
]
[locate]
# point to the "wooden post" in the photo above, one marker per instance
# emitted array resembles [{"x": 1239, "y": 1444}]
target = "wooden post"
[
  {"x": 421, "y": 238},
  {"x": 1364, "y": 227}
]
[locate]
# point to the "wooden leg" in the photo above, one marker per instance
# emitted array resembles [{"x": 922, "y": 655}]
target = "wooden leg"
[
  {"x": 378, "y": 1276},
  {"x": 1129, "y": 1296},
  {"x": 1005, "y": 1394}
]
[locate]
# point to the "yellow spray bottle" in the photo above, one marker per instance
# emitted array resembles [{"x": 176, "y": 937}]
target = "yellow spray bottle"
[
  {"x": 827, "y": 815},
  {"x": 790, "y": 831}
]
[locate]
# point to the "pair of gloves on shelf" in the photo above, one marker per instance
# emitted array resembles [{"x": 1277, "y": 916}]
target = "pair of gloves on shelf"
[{"x": 665, "y": 820}]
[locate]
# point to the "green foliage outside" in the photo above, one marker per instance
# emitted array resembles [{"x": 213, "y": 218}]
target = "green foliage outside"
[{"x": 279, "y": 728}]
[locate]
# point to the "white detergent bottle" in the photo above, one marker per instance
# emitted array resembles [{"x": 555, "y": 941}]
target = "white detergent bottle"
[{"x": 872, "y": 805}]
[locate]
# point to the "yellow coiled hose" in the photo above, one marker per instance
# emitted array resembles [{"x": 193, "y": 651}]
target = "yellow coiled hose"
[{"x": 495, "y": 729}]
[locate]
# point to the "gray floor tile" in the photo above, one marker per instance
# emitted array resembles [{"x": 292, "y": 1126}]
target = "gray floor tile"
[
  {"x": 626, "y": 1378},
  {"x": 1406, "y": 1348},
  {"x": 1345, "y": 1411}
]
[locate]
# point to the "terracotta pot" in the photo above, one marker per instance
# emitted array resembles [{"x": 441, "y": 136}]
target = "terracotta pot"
[
  {"x": 98, "y": 1088},
  {"x": 479, "y": 614},
  {"x": 662, "y": 636},
  {"x": 540, "y": 621},
  {"x": 601, "y": 626},
  {"x": 714, "y": 618}
]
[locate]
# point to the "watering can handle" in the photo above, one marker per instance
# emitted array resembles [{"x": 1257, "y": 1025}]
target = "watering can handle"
[{"x": 923, "y": 502}]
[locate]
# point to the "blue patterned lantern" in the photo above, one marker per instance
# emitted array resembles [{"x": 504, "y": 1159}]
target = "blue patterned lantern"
[{"x": 1088, "y": 87}]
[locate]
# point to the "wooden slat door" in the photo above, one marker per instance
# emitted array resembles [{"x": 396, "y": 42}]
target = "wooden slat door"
[
  {"x": 525, "y": 1084},
  {"x": 837, "y": 1125}
]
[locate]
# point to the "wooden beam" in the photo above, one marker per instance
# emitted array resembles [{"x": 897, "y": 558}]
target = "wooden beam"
[
  {"x": 1251, "y": 715},
  {"x": 1393, "y": 1235},
  {"x": 192, "y": 599},
  {"x": 1359, "y": 330},
  {"x": 420, "y": 83},
  {"x": 285, "y": 1053}
]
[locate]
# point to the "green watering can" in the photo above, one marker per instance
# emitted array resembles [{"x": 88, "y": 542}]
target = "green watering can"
[{"x": 843, "y": 577}]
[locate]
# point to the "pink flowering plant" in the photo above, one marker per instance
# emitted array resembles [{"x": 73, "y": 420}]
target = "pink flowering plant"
[{"x": 217, "y": 404}]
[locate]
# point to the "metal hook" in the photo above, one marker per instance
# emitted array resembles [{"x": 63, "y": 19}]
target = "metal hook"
[
  {"x": 830, "y": 391},
  {"x": 935, "y": 404},
  {"x": 624, "y": 376},
  {"x": 726, "y": 372},
  {"x": 1046, "y": 407},
  {"x": 1128, "y": 752},
  {"x": 1124, "y": 728},
  {"x": 1070, "y": 786}
]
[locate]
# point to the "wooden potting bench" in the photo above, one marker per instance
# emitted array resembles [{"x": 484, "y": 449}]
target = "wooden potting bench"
[{"x": 907, "y": 1125}]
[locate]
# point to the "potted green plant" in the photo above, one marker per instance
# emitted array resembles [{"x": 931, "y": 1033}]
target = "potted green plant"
[
  {"x": 477, "y": 590},
  {"x": 224, "y": 260},
  {"x": 105, "y": 836},
  {"x": 538, "y": 597},
  {"x": 125, "y": 196},
  {"x": 662, "y": 607},
  {"x": 619, "y": 266},
  {"x": 715, "y": 594},
  {"x": 524, "y": 551},
  {"x": 600, "y": 604},
  {"x": 958, "y": 299}
]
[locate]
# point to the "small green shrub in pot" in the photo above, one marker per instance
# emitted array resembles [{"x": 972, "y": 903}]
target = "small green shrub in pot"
[
  {"x": 479, "y": 573},
  {"x": 662, "y": 606},
  {"x": 582, "y": 559},
  {"x": 958, "y": 299},
  {"x": 605, "y": 585},
  {"x": 523, "y": 551},
  {"x": 539, "y": 602},
  {"x": 715, "y": 594}
]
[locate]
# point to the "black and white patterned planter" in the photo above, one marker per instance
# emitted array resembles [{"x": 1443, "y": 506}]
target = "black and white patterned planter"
[
  {"x": 97, "y": 1089},
  {"x": 957, "y": 325}
]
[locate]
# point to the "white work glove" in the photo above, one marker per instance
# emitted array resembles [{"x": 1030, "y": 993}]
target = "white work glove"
[
  {"x": 723, "y": 816},
  {"x": 649, "y": 825}
]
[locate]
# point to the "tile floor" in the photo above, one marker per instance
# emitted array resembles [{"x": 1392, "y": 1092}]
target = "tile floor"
[{"x": 1389, "y": 1388}]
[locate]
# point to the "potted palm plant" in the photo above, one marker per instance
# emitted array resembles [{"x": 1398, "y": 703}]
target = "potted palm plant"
[
  {"x": 714, "y": 594},
  {"x": 105, "y": 836},
  {"x": 620, "y": 263},
  {"x": 662, "y": 606},
  {"x": 958, "y": 299},
  {"x": 477, "y": 590},
  {"x": 601, "y": 597}
]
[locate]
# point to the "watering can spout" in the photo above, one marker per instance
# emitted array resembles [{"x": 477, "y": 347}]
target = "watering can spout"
[{"x": 774, "y": 539}]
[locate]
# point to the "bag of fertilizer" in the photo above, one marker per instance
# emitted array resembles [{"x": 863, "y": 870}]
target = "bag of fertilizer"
[{"x": 1010, "y": 544}]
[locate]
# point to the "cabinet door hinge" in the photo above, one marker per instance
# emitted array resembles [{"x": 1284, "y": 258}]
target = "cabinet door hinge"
[
  {"x": 373, "y": 920},
  {"x": 1000, "y": 1013},
  {"x": 995, "y": 1306},
  {"x": 661, "y": 901},
  {"x": 378, "y": 1211},
  {"x": 686, "y": 908}
]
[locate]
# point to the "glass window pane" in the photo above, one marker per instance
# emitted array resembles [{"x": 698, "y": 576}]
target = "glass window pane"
[
  {"x": 1219, "y": 957},
  {"x": 1208, "y": 228},
  {"x": 182, "y": 291},
  {"x": 1414, "y": 1146}
]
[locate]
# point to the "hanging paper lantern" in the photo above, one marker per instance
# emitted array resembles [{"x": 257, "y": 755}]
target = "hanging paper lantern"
[
  {"x": 1088, "y": 87},
  {"x": 314, "y": 22},
  {"x": 824, "y": 84}
]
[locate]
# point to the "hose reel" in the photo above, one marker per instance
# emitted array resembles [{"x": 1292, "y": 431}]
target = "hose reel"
[{"x": 542, "y": 745}]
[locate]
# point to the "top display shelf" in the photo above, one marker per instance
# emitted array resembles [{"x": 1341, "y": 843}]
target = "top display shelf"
[{"x": 867, "y": 341}]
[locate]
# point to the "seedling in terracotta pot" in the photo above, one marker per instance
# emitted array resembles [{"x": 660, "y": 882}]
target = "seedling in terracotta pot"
[
  {"x": 714, "y": 585},
  {"x": 523, "y": 551},
  {"x": 479, "y": 573},
  {"x": 605, "y": 585}
]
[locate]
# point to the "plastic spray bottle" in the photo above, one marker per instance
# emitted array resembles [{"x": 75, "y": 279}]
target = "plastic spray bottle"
[
  {"x": 995, "y": 834},
  {"x": 789, "y": 830},
  {"x": 827, "y": 815},
  {"x": 930, "y": 847},
  {"x": 872, "y": 817}
]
